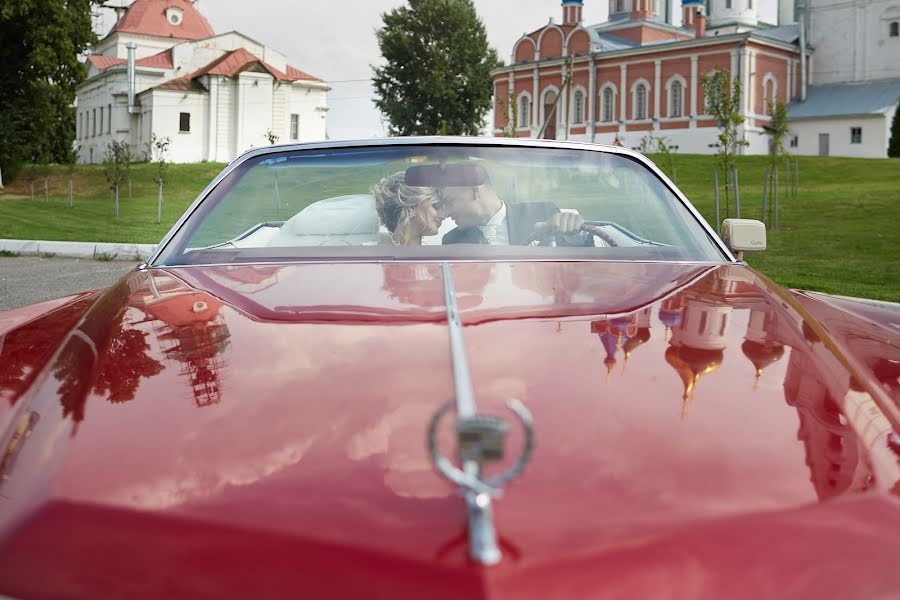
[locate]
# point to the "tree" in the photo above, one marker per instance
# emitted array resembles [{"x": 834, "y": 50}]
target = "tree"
[
  {"x": 894, "y": 144},
  {"x": 723, "y": 101},
  {"x": 777, "y": 129},
  {"x": 272, "y": 136},
  {"x": 159, "y": 150},
  {"x": 437, "y": 76},
  {"x": 115, "y": 167},
  {"x": 40, "y": 46}
]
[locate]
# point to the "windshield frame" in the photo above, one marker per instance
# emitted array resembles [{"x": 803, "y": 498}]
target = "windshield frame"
[{"x": 163, "y": 250}]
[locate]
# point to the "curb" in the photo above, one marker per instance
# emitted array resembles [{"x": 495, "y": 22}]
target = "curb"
[{"x": 109, "y": 251}]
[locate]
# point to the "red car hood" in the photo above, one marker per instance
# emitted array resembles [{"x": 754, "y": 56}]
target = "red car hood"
[{"x": 260, "y": 430}]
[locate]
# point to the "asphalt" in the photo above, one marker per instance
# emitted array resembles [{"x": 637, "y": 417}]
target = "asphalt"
[{"x": 30, "y": 279}]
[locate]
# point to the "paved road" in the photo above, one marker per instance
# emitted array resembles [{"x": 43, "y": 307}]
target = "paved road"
[{"x": 29, "y": 279}]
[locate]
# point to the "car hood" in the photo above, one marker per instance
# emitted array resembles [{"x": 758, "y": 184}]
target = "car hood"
[{"x": 256, "y": 429}]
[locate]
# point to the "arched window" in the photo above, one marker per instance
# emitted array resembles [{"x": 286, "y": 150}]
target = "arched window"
[
  {"x": 895, "y": 29},
  {"x": 524, "y": 116},
  {"x": 608, "y": 105},
  {"x": 770, "y": 93},
  {"x": 578, "y": 107},
  {"x": 676, "y": 96},
  {"x": 640, "y": 101}
]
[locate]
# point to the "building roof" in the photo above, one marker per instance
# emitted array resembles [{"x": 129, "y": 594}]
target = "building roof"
[
  {"x": 846, "y": 99},
  {"x": 232, "y": 64},
  {"x": 162, "y": 60},
  {"x": 148, "y": 17},
  {"x": 789, "y": 34}
]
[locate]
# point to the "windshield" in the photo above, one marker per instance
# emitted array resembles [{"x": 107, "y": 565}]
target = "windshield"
[{"x": 440, "y": 202}]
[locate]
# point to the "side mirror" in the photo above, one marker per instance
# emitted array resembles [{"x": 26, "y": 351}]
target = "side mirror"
[{"x": 744, "y": 235}]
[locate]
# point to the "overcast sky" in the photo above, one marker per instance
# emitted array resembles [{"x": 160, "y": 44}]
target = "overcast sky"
[{"x": 335, "y": 41}]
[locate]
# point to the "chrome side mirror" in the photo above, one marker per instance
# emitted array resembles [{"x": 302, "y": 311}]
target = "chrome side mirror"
[{"x": 742, "y": 235}]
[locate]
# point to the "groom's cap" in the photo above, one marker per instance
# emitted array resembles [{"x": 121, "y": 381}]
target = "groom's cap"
[{"x": 446, "y": 175}]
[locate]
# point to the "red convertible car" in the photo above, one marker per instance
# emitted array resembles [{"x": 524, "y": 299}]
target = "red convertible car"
[{"x": 449, "y": 368}]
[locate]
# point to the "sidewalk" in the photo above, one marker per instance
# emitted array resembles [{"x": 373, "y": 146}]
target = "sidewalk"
[{"x": 102, "y": 250}]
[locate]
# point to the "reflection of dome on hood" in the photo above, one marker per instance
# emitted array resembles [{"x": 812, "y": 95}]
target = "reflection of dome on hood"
[
  {"x": 762, "y": 355},
  {"x": 691, "y": 364},
  {"x": 670, "y": 318}
]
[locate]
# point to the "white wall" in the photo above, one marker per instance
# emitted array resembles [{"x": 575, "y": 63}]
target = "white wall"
[
  {"x": 167, "y": 105},
  {"x": 310, "y": 103},
  {"x": 875, "y": 135},
  {"x": 254, "y": 110},
  {"x": 851, "y": 41}
]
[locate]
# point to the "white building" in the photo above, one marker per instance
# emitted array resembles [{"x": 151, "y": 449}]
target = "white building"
[
  {"x": 854, "y": 79},
  {"x": 163, "y": 71}
]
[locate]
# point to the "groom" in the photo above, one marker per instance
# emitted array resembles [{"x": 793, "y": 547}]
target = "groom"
[{"x": 483, "y": 218}]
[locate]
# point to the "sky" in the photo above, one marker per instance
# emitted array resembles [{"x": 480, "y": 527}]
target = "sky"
[{"x": 335, "y": 41}]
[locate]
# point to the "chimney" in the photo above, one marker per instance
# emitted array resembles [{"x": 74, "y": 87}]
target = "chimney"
[
  {"x": 572, "y": 11},
  {"x": 699, "y": 23},
  {"x": 132, "y": 109}
]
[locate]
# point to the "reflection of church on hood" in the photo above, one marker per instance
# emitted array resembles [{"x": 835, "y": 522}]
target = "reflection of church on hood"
[
  {"x": 839, "y": 424},
  {"x": 191, "y": 330}
]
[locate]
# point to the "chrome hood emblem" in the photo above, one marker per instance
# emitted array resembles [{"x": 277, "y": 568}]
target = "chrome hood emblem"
[{"x": 480, "y": 440}]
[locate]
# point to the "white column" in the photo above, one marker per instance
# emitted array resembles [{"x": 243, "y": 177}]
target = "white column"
[
  {"x": 561, "y": 108},
  {"x": 657, "y": 75},
  {"x": 212, "y": 135},
  {"x": 239, "y": 114},
  {"x": 750, "y": 88},
  {"x": 695, "y": 84},
  {"x": 734, "y": 63},
  {"x": 510, "y": 97},
  {"x": 623, "y": 104},
  {"x": 535, "y": 102},
  {"x": 592, "y": 95},
  {"x": 790, "y": 79}
]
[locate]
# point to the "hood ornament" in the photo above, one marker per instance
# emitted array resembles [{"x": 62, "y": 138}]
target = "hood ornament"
[{"x": 480, "y": 440}]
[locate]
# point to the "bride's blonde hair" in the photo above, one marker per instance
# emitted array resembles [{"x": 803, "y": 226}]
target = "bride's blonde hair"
[{"x": 397, "y": 203}]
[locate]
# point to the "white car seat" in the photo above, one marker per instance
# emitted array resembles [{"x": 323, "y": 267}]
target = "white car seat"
[{"x": 340, "y": 221}]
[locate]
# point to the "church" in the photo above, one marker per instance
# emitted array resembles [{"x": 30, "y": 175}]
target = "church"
[
  {"x": 640, "y": 74},
  {"x": 162, "y": 71}
]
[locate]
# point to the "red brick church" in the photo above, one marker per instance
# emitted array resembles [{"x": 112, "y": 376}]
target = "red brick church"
[{"x": 640, "y": 72}]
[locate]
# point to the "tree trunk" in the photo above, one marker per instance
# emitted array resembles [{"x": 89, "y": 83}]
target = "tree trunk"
[
  {"x": 70, "y": 192},
  {"x": 46, "y": 189},
  {"x": 159, "y": 204},
  {"x": 116, "y": 192},
  {"x": 129, "y": 189}
]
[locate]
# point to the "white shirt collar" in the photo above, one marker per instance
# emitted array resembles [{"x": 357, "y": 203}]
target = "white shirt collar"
[{"x": 496, "y": 231}]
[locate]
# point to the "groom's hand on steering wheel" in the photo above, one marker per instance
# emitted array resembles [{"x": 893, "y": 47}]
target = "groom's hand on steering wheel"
[{"x": 561, "y": 222}]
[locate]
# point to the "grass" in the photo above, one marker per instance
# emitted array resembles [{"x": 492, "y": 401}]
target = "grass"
[{"x": 840, "y": 235}]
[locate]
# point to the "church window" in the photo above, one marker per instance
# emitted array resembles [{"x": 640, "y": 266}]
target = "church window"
[
  {"x": 174, "y": 15},
  {"x": 895, "y": 29},
  {"x": 295, "y": 126},
  {"x": 749, "y": 3},
  {"x": 184, "y": 122},
  {"x": 109, "y": 118},
  {"x": 727, "y": 3},
  {"x": 578, "y": 102},
  {"x": 79, "y": 128},
  {"x": 620, "y": 5},
  {"x": 94, "y": 122},
  {"x": 524, "y": 116},
  {"x": 101, "y": 120},
  {"x": 608, "y": 105},
  {"x": 676, "y": 94},
  {"x": 640, "y": 101},
  {"x": 795, "y": 141},
  {"x": 856, "y": 135}
]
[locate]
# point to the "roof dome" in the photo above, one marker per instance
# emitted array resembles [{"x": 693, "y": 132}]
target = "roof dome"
[{"x": 165, "y": 18}]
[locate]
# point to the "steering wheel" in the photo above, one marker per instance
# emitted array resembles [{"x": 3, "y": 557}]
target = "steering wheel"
[{"x": 553, "y": 239}]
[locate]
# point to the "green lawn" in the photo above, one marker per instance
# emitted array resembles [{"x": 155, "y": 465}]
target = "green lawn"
[{"x": 840, "y": 235}]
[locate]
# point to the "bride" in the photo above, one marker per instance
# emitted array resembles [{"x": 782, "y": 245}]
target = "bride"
[{"x": 408, "y": 212}]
